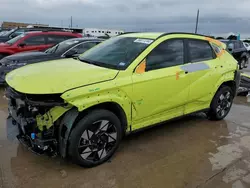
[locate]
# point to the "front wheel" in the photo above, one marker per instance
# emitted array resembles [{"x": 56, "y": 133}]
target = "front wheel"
[
  {"x": 221, "y": 103},
  {"x": 95, "y": 138}
]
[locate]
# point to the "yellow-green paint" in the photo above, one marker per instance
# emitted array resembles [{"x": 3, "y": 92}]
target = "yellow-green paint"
[
  {"x": 57, "y": 76},
  {"x": 48, "y": 119},
  {"x": 146, "y": 98}
]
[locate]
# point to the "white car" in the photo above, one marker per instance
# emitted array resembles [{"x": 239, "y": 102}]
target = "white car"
[{"x": 247, "y": 46}]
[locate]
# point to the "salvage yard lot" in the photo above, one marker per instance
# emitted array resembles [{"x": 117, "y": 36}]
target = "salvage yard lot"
[{"x": 190, "y": 152}]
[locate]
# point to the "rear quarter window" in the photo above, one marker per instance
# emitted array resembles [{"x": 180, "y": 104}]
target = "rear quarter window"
[
  {"x": 200, "y": 50},
  {"x": 216, "y": 48}
]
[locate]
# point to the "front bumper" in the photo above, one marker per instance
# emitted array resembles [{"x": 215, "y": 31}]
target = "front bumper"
[
  {"x": 26, "y": 129},
  {"x": 37, "y": 146},
  {"x": 3, "y": 72}
]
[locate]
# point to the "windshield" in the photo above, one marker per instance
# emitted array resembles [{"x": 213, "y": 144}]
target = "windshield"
[
  {"x": 62, "y": 47},
  {"x": 7, "y": 33},
  {"x": 14, "y": 40},
  {"x": 117, "y": 52},
  {"x": 2, "y": 33}
]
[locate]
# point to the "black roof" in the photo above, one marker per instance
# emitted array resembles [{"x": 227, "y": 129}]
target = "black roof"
[{"x": 85, "y": 39}]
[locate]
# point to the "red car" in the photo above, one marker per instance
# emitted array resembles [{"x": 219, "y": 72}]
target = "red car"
[{"x": 35, "y": 41}]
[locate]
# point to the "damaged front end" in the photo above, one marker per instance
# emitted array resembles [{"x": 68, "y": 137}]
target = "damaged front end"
[{"x": 38, "y": 119}]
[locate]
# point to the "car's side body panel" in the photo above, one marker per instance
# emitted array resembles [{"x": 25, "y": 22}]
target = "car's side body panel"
[
  {"x": 144, "y": 92},
  {"x": 144, "y": 99}
]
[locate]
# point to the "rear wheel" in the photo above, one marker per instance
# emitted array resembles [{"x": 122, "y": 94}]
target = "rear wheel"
[
  {"x": 95, "y": 138},
  {"x": 221, "y": 103}
]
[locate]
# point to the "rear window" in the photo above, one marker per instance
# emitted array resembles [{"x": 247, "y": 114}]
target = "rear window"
[
  {"x": 216, "y": 48},
  {"x": 200, "y": 50}
]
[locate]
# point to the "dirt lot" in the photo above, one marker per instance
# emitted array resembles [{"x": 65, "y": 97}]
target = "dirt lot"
[{"x": 191, "y": 152}]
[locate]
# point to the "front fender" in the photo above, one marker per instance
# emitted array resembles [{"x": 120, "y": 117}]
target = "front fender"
[{"x": 89, "y": 96}]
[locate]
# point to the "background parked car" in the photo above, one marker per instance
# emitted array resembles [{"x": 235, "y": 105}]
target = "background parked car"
[
  {"x": 34, "y": 41},
  {"x": 7, "y": 35},
  {"x": 65, "y": 49},
  {"x": 247, "y": 46},
  {"x": 238, "y": 50}
]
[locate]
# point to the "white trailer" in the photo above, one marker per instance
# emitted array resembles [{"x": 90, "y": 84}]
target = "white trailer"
[{"x": 95, "y": 32}]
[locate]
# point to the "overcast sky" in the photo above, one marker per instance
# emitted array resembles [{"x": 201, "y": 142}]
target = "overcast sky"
[{"x": 216, "y": 16}]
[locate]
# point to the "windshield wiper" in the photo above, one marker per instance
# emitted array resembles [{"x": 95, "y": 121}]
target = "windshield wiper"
[
  {"x": 97, "y": 63},
  {"x": 90, "y": 62}
]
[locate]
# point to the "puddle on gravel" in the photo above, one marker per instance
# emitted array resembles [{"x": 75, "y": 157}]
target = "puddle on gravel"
[{"x": 177, "y": 154}]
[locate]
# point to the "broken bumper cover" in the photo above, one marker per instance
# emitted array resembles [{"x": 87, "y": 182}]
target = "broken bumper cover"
[
  {"x": 38, "y": 146},
  {"x": 23, "y": 127}
]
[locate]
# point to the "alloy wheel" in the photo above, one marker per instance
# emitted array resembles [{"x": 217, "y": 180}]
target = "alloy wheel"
[
  {"x": 97, "y": 141},
  {"x": 224, "y": 104}
]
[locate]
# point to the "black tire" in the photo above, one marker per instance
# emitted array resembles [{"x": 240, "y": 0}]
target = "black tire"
[
  {"x": 89, "y": 143},
  {"x": 219, "y": 107}
]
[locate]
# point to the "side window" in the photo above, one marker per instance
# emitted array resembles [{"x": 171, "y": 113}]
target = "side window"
[
  {"x": 167, "y": 54},
  {"x": 230, "y": 45},
  {"x": 35, "y": 40},
  {"x": 200, "y": 50},
  {"x": 54, "y": 39},
  {"x": 84, "y": 47}
]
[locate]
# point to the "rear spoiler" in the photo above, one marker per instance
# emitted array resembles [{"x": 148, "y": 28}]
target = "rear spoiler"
[{"x": 217, "y": 42}]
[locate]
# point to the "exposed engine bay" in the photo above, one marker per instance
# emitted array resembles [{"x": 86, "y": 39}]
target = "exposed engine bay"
[
  {"x": 37, "y": 118},
  {"x": 244, "y": 85}
]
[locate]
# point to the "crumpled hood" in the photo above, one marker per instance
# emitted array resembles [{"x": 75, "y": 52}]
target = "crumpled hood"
[{"x": 57, "y": 76}]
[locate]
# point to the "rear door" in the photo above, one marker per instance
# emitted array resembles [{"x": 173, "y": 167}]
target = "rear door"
[
  {"x": 32, "y": 43},
  {"x": 203, "y": 72},
  {"x": 237, "y": 50}
]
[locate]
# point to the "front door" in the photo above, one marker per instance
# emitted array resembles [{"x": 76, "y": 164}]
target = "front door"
[{"x": 160, "y": 92}]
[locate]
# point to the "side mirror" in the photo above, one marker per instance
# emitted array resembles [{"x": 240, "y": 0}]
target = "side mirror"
[
  {"x": 71, "y": 53},
  {"x": 22, "y": 45}
]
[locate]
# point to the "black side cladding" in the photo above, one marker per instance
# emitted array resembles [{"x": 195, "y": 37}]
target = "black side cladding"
[{"x": 245, "y": 81}]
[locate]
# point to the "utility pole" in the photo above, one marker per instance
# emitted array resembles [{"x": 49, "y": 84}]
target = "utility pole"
[
  {"x": 71, "y": 22},
  {"x": 197, "y": 21}
]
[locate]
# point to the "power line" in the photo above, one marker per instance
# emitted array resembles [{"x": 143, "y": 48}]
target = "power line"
[{"x": 197, "y": 21}]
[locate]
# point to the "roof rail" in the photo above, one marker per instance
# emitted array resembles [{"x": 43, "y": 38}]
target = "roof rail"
[{"x": 164, "y": 34}]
